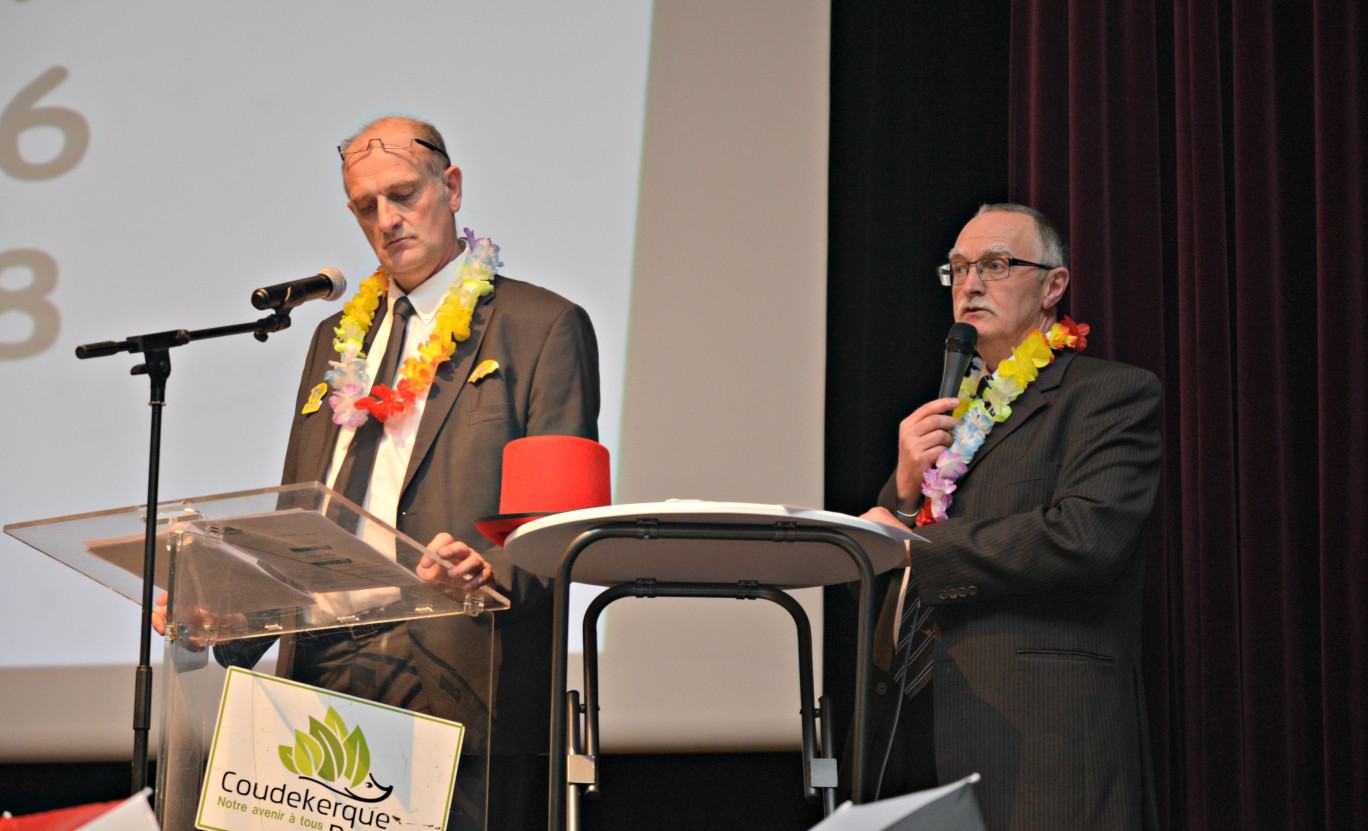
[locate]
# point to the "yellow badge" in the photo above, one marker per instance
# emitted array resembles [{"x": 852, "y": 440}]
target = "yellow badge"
[
  {"x": 315, "y": 399},
  {"x": 485, "y": 368}
]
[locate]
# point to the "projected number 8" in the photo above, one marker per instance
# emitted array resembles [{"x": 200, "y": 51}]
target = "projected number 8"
[
  {"x": 32, "y": 300},
  {"x": 20, "y": 115}
]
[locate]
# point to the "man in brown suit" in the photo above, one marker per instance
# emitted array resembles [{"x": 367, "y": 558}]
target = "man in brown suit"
[
  {"x": 1034, "y": 577},
  {"x": 439, "y": 469}
]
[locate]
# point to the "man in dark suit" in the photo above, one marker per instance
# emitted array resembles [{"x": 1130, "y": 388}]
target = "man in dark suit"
[
  {"x": 438, "y": 465},
  {"x": 1034, "y": 576}
]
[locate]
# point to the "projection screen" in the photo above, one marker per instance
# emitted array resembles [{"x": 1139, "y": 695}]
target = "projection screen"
[{"x": 663, "y": 165}]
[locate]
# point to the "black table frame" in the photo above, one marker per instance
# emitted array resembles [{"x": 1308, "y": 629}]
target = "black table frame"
[{"x": 771, "y": 531}]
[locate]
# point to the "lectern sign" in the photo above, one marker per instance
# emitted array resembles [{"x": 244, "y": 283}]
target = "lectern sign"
[{"x": 288, "y": 756}]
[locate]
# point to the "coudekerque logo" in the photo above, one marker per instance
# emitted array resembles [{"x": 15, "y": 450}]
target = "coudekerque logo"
[{"x": 335, "y": 758}]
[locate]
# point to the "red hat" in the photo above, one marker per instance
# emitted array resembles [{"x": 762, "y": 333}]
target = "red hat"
[{"x": 544, "y": 475}]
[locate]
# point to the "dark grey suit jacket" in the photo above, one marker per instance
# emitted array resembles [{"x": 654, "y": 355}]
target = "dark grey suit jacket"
[
  {"x": 1036, "y": 577},
  {"x": 547, "y": 384}
]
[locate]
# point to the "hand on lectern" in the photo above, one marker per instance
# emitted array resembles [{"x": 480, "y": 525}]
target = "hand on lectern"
[
  {"x": 159, "y": 615},
  {"x": 199, "y": 622},
  {"x": 883, "y": 516},
  {"x": 454, "y": 568}
]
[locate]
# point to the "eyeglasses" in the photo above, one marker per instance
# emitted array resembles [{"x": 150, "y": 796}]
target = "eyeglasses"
[
  {"x": 996, "y": 267},
  {"x": 379, "y": 144}
]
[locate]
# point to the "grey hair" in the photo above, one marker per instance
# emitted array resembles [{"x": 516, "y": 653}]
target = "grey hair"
[{"x": 1054, "y": 248}]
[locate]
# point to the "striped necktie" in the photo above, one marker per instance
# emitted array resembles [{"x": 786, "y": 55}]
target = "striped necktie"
[{"x": 916, "y": 634}]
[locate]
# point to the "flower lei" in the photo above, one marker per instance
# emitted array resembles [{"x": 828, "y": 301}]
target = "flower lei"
[
  {"x": 978, "y": 414},
  {"x": 349, "y": 377}
]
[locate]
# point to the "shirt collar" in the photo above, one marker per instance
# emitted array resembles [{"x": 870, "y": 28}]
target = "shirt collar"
[{"x": 427, "y": 298}]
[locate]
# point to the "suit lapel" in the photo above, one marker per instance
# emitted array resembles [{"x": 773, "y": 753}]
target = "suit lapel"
[
  {"x": 449, "y": 382},
  {"x": 319, "y": 432},
  {"x": 1035, "y": 398},
  {"x": 326, "y": 444}
]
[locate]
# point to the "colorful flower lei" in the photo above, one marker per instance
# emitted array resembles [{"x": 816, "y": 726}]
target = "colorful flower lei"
[
  {"x": 978, "y": 414},
  {"x": 349, "y": 377}
]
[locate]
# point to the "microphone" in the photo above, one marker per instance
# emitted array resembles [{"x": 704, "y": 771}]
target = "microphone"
[
  {"x": 959, "y": 348},
  {"x": 329, "y": 284}
]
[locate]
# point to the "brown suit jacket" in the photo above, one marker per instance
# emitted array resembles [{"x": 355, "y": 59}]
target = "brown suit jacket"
[
  {"x": 547, "y": 384},
  {"x": 1036, "y": 578}
]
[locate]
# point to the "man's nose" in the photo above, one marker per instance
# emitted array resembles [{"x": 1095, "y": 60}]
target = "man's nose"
[
  {"x": 973, "y": 280},
  {"x": 388, "y": 216}
]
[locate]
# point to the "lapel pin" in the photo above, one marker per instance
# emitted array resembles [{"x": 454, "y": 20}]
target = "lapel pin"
[
  {"x": 315, "y": 399},
  {"x": 485, "y": 369}
]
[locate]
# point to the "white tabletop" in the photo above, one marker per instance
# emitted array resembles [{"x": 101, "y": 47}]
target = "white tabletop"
[{"x": 539, "y": 545}]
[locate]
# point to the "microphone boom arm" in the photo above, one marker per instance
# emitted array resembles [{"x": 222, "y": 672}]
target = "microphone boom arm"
[
  {"x": 159, "y": 341},
  {"x": 156, "y": 365}
]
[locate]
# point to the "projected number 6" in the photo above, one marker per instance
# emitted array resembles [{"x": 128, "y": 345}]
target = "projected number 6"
[{"x": 21, "y": 115}]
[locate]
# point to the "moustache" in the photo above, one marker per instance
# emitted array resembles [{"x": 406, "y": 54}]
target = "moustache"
[{"x": 976, "y": 304}]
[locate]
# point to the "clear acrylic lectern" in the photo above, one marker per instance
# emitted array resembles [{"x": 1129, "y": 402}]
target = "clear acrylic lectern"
[{"x": 242, "y": 569}]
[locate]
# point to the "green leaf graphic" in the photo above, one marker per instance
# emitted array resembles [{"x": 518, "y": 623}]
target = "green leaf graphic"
[
  {"x": 335, "y": 723},
  {"x": 329, "y": 751},
  {"x": 331, "y": 766},
  {"x": 358, "y": 756},
  {"x": 287, "y": 758},
  {"x": 308, "y": 753},
  {"x": 349, "y": 759}
]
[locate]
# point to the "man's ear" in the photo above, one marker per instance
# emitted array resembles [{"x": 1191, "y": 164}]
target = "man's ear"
[
  {"x": 1056, "y": 281},
  {"x": 452, "y": 178}
]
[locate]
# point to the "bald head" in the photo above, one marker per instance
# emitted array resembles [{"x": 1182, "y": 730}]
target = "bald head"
[
  {"x": 1053, "y": 247},
  {"x": 397, "y": 130}
]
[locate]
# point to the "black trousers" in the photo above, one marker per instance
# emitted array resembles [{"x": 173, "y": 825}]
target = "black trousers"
[{"x": 903, "y": 761}]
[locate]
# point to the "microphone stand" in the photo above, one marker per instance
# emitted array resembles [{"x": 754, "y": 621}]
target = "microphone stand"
[{"x": 155, "y": 348}]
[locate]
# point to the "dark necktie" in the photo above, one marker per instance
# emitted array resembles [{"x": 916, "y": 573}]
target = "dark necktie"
[
  {"x": 914, "y": 641},
  {"x": 916, "y": 632},
  {"x": 353, "y": 479}
]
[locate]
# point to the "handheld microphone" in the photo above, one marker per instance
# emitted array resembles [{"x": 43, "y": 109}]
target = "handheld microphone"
[
  {"x": 959, "y": 348},
  {"x": 328, "y": 284}
]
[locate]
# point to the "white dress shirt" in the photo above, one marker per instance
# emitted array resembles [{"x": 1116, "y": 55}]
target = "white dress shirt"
[{"x": 396, "y": 446}]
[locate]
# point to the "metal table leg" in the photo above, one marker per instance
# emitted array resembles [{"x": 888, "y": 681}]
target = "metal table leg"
[{"x": 697, "y": 531}]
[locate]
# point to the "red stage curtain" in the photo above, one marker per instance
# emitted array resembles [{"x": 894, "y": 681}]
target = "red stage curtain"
[{"x": 1207, "y": 159}]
